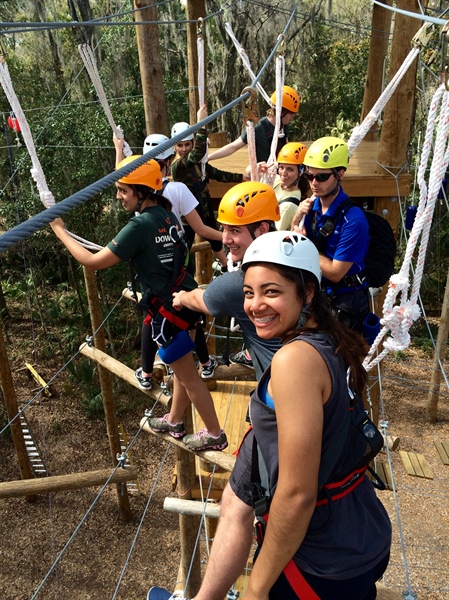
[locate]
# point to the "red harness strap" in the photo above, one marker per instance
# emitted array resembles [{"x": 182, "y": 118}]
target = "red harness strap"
[
  {"x": 177, "y": 321},
  {"x": 340, "y": 489},
  {"x": 298, "y": 584}
]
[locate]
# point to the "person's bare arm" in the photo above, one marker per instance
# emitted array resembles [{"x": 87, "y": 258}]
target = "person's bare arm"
[
  {"x": 227, "y": 150},
  {"x": 193, "y": 300},
  {"x": 100, "y": 260},
  {"x": 334, "y": 270},
  {"x": 119, "y": 144},
  {"x": 199, "y": 227}
]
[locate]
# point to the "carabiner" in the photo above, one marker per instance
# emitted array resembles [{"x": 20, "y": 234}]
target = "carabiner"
[{"x": 250, "y": 107}]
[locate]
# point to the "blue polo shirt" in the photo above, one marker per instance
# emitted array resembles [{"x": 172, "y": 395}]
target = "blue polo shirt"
[{"x": 350, "y": 238}]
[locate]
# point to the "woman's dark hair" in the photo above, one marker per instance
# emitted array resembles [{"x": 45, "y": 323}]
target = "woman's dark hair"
[
  {"x": 146, "y": 193},
  {"x": 349, "y": 343},
  {"x": 303, "y": 186},
  {"x": 253, "y": 226}
]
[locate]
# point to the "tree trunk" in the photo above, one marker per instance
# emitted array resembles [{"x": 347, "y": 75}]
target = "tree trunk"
[{"x": 151, "y": 69}]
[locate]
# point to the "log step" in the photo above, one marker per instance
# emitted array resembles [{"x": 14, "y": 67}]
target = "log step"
[{"x": 415, "y": 464}]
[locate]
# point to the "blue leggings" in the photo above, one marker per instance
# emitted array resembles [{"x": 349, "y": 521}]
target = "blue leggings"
[{"x": 362, "y": 587}]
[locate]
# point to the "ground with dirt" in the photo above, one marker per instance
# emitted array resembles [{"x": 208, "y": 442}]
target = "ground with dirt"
[{"x": 93, "y": 563}]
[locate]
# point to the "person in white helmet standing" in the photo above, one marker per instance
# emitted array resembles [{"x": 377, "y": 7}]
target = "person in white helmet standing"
[{"x": 191, "y": 168}]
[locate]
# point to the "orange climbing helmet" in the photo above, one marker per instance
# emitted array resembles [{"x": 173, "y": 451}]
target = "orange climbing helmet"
[
  {"x": 148, "y": 174},
  {"x": 292, "y": 153},
  {"x": 247, "y": 203},
  {"x": 290, "y": 99}
]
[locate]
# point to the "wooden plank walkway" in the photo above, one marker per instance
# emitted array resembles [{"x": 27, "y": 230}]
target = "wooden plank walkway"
[{"x": 364, "y": 177}]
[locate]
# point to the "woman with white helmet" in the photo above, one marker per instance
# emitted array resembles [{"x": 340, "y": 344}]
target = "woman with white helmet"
[
  {"x": 190, "y": 167},
  {"x": 317, "y": 540}
]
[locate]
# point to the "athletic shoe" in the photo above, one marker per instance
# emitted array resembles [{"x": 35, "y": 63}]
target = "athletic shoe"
[
  {"x": 144, "y": 382},
  {"x": 240, "y": 358},
  {"x": 207, "y": 371},
  {"x": 203, "y": 440},
  {"x": 158, "y": 593},
  {"x": 163, "y": 425}
]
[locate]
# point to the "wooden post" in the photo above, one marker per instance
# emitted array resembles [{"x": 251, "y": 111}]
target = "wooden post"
[
  {"x": 380, "y": 33},
  {"x": 195, "y": 9},
  {"x": 151, "y": 68},
  {"x": 397, "y": 122},
  {"x": 440, "y": 351},
  {"x": 188, "y": 524},
  {"x": 106, "y": 388},
  {"x": 12, "y": 410}
]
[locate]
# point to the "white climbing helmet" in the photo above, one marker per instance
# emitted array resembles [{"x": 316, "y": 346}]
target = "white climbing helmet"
[
  {"x": 180, "y": 128},
  {"x": 155, "y": 139},
  {"x": 286, "y": 248}
]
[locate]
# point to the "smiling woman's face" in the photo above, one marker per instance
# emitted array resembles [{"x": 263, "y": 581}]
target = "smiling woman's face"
[
  {"x": 271, "y": 301},
  {"x": 126, "y": 196}
]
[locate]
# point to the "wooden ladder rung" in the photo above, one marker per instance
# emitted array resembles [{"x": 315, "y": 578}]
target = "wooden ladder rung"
[
  {"x": 415, "y": 464},
  {"x": 443, "y": 451}
]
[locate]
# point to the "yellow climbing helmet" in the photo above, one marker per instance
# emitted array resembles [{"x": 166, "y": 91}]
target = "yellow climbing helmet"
[
  {"x": 148, "y": 174},
  {"x": 292, "y": 153},
  {"x": 247, "y": 203},
  {"x": 290, "y": 99},
  {"x": 327, "y": 153}
]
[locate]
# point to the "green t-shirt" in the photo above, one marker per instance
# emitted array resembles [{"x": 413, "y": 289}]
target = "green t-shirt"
[{"x": 146, "y": 240}]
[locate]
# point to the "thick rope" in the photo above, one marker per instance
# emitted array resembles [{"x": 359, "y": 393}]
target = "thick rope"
[
  {"x": 201, "y": 95},
  {"x": 251, "y": 138},
  {"x": 270, "y": 175},
  {"x": 245, "y": 61},
  {"x": 358, "y": 133},
  {"x": 37, "y": 173},
  {"x": 398, "y": 318},
  {"x": 90, "y": 63}
]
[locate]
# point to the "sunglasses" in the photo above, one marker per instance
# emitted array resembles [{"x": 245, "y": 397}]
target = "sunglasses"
[{"x": 320, "y": 177}]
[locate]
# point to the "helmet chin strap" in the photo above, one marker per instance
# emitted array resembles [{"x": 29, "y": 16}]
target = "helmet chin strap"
[
  {"x": 336, "y": 188},
  {"x": 304, "y": 315}
]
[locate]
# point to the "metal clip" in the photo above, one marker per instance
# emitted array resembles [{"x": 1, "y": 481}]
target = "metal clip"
[
  {"x": 199, "y": 27},
  {"x": 121, "y": 459},
  {"x": 250, "y": 106},
  {"x": 423, "y": 36},
  {"x": 444, "y": 56},
  {"x": 89, "y": 339}
]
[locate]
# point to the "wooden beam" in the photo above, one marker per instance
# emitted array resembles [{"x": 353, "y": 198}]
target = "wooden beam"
[
  {"x": 192, "y": 507},
  {"x": 60, "y": 483},
  {"x": 221, "y": 459},
  {"x": 122, "y": 371}
]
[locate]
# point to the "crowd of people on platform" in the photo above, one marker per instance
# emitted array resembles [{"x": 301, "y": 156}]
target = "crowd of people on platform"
[{"x": 294, "y": 280}]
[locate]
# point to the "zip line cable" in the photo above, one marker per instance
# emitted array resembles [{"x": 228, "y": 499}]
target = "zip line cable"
[{"x": 33, "y": 224}]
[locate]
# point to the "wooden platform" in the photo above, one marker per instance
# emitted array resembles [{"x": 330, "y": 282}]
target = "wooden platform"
[
  {"x": 231, "y": 402},
  {"x": 364, "y": 177}
]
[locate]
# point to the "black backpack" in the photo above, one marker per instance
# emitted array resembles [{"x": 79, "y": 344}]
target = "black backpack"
[{"x": 379, "y": 261}]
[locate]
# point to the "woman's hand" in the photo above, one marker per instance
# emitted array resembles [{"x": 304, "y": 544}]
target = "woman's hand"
[
  {"x": 57, "y": 225},
  {"x": 201, "y": 114}
]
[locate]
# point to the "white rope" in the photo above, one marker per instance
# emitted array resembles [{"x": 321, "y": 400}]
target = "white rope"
[
  {"x": 201, "y": 96},
  {"x": 37, "y": 173},
  {"x": 90, "y": 63},
  {"x": 246, "y": 63},
  {"x": 358, "y": 133},
  {"x": 398, "y": 318},
  {"x": 270, "y": 174},
  {"x": 251, "y": 137}
]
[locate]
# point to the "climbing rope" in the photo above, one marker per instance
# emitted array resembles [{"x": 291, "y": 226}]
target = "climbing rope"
[
  {"x": 37, "y": 173},
  {"x": 270, "y": 175},
  {"x": 90, "y": 63},
  {"x": 201, "y": 92},
  {"x": 398, "y": 318},
  {"x": 245, "y": 61}
]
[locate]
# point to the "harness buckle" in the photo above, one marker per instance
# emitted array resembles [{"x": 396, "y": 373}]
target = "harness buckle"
[{"x": 250, "y": 106}]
